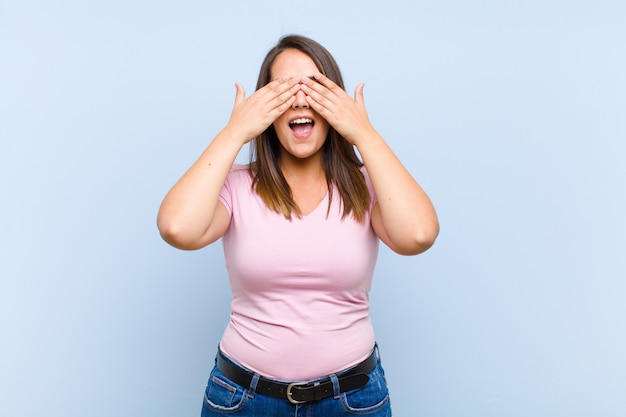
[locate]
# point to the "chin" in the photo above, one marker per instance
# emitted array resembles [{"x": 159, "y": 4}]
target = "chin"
[{"x": 301, "y": 154}]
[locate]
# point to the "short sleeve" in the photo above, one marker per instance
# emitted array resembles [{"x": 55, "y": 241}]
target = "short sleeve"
[
  {"x": 370, "y": 188},
  {"x": 226, "y": 195}
]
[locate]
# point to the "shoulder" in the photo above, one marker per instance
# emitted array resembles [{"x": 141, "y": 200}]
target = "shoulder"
[
  {"x": 370, "y": 187},
  {"x": 238, "y": 180},
  {"x": 239, "y": 174},
  {"x": 239, "y": 168},
  {"x": 366, "y": 176},
  {"x": 364, "y": 172}
]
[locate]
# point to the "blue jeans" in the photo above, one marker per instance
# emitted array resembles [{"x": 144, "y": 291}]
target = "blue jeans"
[{"x": 224, "y": 397}]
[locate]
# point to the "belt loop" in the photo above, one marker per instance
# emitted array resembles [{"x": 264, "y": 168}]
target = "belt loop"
[
  {"x": 377, "y": 352},
  {"x": 253, "y": 383},
  {"x": 336, "y": 387}
]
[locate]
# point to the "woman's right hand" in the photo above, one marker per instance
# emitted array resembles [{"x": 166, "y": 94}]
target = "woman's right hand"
[
  {"x": 251, "y": 116},
  {"x": 191, "y": 216}
]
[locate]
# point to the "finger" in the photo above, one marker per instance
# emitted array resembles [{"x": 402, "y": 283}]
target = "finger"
[
  {"x": 327, "y": 82},
  {"x": 286, "y": 95},
  {"x": 325, "y": 112},
  {"x": 318, "y": 100},
  {"x": 283, "y": 107},
  {"x": 281, "y": 84},
  {"x": 240, "y": 94},
  {"x": 311, "y": 84},
  {"x": 358, "y": 94},
  {"x": 326, "y": 92},
  {"x": 277, "y": 91}
]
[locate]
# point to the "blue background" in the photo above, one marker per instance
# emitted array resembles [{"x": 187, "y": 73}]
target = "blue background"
[{"x": 511, "y": 114}]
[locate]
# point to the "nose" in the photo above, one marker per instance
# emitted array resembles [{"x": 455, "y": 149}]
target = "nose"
[{"x": 300, "y": 101}]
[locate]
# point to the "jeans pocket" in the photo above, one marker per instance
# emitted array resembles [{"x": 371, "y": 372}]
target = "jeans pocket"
[
  {"x": 372, "y": 398},
  {"x": 222, "y": 395}
]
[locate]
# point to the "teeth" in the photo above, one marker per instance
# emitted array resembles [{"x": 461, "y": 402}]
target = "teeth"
[{"x": 301, "y": 121}]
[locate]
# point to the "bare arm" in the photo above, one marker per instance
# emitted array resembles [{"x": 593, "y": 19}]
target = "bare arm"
[
  {"x": 404, "y": 217},
  {"x": 190, "y": 216}
]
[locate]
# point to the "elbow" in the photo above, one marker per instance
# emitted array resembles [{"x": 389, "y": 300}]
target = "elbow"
[
  {"x": 419, "y": 242},
  {"x": 169, "y": 233},
  {"x": 175, "y": 235},
  {"x": 426, "y": 240}
]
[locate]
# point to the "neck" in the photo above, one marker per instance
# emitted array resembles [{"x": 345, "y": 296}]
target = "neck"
[
  {"x": 307, "y": 170},
  {"x": 307, "y": 181}
]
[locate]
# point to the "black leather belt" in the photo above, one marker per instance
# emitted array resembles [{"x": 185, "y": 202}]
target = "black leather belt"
[{"x": 299, "y": 392}]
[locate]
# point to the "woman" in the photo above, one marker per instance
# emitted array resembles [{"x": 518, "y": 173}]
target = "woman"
[{"x": 300, "y": 227}]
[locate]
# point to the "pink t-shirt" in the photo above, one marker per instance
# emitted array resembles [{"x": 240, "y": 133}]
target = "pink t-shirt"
[{"x": 300, "y": 307}]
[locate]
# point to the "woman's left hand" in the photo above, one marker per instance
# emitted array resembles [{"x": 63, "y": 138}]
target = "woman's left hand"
[
  {"x": 346, "y": 115},
  {"x": 403, "y": 217}
]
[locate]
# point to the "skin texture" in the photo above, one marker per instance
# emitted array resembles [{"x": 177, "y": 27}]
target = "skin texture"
[{"x": 191, "y": 215}]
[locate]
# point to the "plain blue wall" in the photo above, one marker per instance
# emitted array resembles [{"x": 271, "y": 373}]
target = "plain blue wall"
[{"x": 510, "y": 113}]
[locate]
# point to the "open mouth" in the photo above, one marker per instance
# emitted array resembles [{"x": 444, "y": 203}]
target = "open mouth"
[{"x": 302, "y": 127}]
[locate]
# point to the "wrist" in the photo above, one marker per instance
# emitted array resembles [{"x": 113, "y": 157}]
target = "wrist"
[
  {"x": 365, "y": 138},
  {"x": 234, "y": 135}
]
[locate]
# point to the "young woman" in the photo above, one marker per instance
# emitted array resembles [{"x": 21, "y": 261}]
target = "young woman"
[{"x": 300, "y": 227}]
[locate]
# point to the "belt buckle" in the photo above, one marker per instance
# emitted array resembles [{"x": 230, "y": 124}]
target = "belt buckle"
[{"x": 289, "y": 387}]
